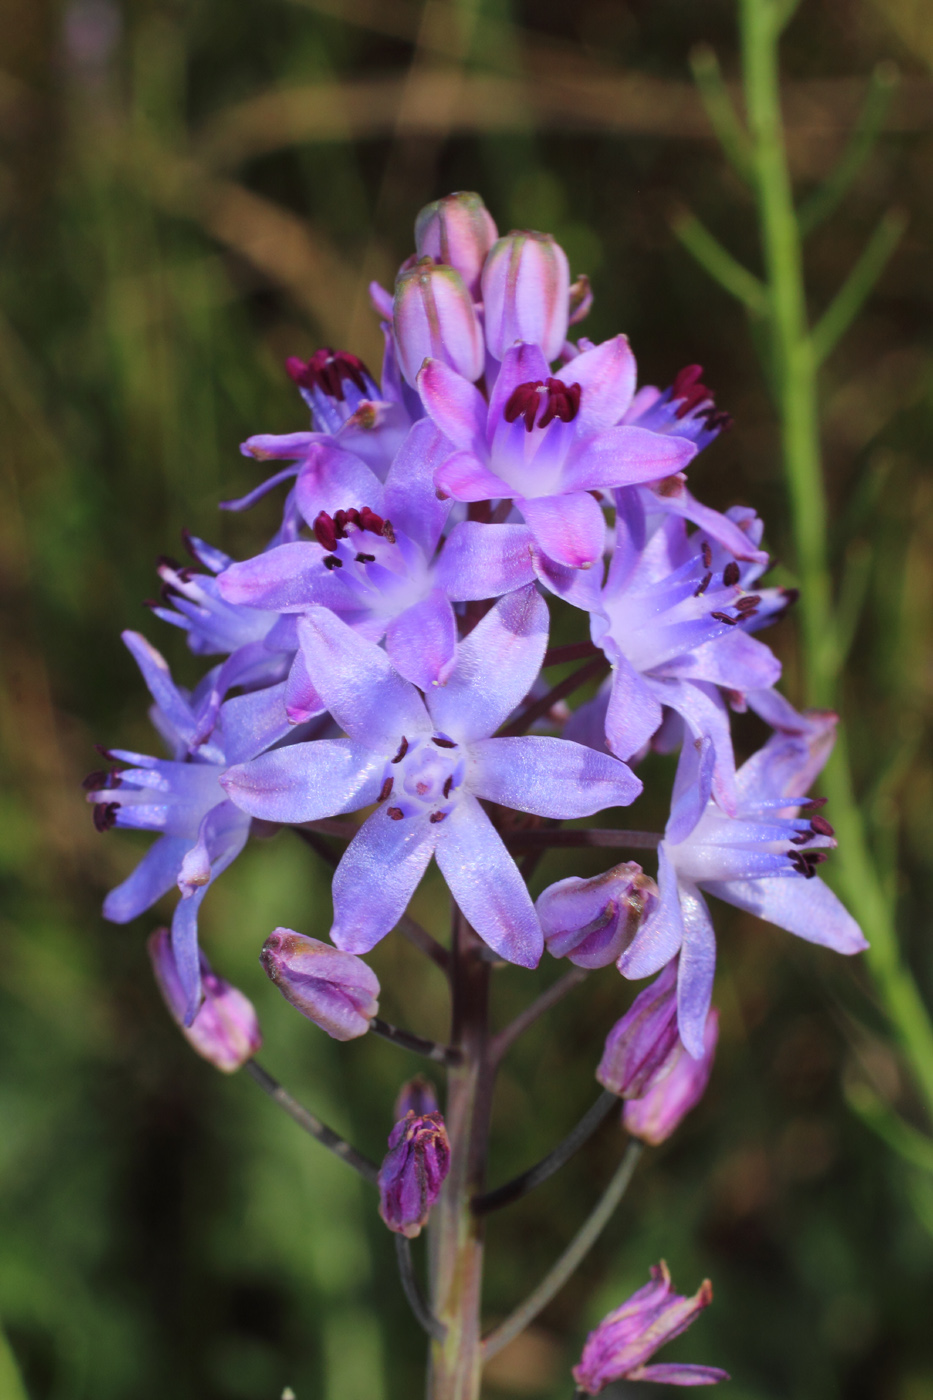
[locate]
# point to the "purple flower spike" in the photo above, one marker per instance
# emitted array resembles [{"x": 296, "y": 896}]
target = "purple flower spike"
[
  {"x": 417, "y": 1097},
  {"x": 413, "y": 1172},
  {"x": 675, "y": 1087},
  {"x": 225, "y": 1029},
  {"x": 639, "y": 1046},
  {"x": 433, "y": 317},
  {"x": 592, "y": 921},
  {"x": 335, "y": 990},
  {"x": 457, "y": 230},
  {"x": 526, "y": 294},
  {"x": 619, "y": 1347}
]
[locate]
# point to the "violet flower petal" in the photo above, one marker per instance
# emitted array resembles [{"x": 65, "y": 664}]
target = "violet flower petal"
[
  {"x": 306, "y": 782},
  {"x": 153, "y": 877},
  {"x": 455, "y": 405},
  {"x": 697, "y": 967},
  {"x": 661, "y": 936},
  {"x": 606, "y": 374},
  {"x": 465, "y": 477},
  {"x": 808, "y": 908},
  {"x": 485, "y": 561},
  {"x": 549, "y": 777},
  {"x": 571, "y": 529},
  {"x": 421, "y": 642},
  {"x": 376, "y": 877},
  {"x": 411, "y": 502}
]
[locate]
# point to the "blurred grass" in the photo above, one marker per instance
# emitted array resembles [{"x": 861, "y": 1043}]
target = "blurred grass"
[{"x": 189, "y": 192}]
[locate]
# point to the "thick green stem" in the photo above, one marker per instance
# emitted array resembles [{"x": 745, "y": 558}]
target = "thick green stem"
[
  {"x": 456, "y": 1233},
  {"x": 795, "y": 368}
]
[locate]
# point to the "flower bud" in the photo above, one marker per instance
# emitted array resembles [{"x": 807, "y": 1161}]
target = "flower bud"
[
  {"x": 457, "y": 230},
  {"x": 433, "y": 317},
  {"x": 592, "y": 922},
  {"x": 628, "y": 1337},
  {"x": 413, "y": 1172},
  {"x": 638, "y": 1047},
  {"x": 678, "y": 1086},
  {"x": 335, "y": 990},
  {"x": 225, "y": 1029},
  {"x": 417, "y": 1096},
  {"x": 526, "y": 293}
]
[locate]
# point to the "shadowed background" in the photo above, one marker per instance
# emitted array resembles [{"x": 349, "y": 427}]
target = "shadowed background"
[{"x": 190, "y": 192}]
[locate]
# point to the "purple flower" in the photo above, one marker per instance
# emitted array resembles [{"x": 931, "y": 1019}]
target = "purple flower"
[
  {"x": 762, "y": 859},
  {"x": 619, "y": 1347},
  {"x": 225, "y": 1029},
  {"x": 335, "y": 990},
  {"x": 526, "y": 294},
  {"x": 426, "y": 762},
  {"x": 548, "y": 441},
  {"x": 675, "y": 1087},
  {"x": 639, "y": 1045},
  {"x": 687, "y": 408},
  {"x": 457, "y": 230},
  {"x": 417, "y": 1097},
  {"x": 413, "y": 1172},
  {"x": 591, "y": 921},
  {"x": 433, "y": 317},
  {"x": 200, "y": 831}
]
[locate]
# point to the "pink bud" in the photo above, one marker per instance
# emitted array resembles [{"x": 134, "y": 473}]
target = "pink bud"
[
  {"x": 457, "y": 230},
  {"x": 417, "y": 1096},
  {"x": 593, "y": 921},
  {"x": 335, "y": 990},
  {"x": 639, "y": 1046},
  {"x": 676, "y": 1088},
  {"x": 526, "y": 293},
  {"x": 628, "y": 1337},
  {"x": 433, "y": 317},
  {"x": 225, "y": 1029},
  {"x": 413, "y": 1172}
]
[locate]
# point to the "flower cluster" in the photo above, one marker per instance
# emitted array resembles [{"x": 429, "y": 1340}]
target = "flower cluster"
[{"x": 384, "y": 655}]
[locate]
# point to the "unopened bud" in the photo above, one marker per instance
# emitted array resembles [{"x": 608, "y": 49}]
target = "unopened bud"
[
  {"x": 457, "y": 230},
  {"x": 593, "y": 921},
  {"x": 639, "y": 1046},
  {"x": 226, "y": 1028},
  {"x": 335, "y": 990},
  {"x": 581, "y": 299},
  {"x": 526, "y": 293},
  {"x": 433, "y": 317},
  {"x": 417, "y": 1096},
  {"x": 678, "y": 1086},
  {"x": 413, "y": 1172}
]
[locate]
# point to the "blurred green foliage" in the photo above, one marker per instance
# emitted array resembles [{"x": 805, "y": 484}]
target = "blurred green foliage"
[{"x": 190, "y": 191}]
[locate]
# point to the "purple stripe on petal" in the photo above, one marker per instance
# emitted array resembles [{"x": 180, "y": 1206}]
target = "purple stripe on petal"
[
  {"x": 485, "y": 882},
  {"x": 377, "y": 876},
  {"x": 672, "y": 1374}
]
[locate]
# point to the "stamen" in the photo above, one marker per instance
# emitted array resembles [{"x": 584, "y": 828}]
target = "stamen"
[
  {"x": 402, "y": 750},
  {"x": 724, "y": 617},
  {"x": 324, "y": 531},
  {"x": 387, "y": 530},
  {"x": 809, "y": 804},
  {"x": 730, "y": 574},
  {"x": 105, "y": 815},
  {"x": 369, "y": 520},
  {"x": 437, "y": 817},
  {"x": 560, "y": 401},
  {"x": 821, "y": 827},
  {"x": 386, "y": 789},
  {"x": 443, "y": 743},
  {"x": 395, "y": 813},
  {"x": 702, "y": 586},
  {"x": 448, "y": 784},
  {"x": 327, "y": 369},
  {"x": 707, "y": 555},
  {"x": 747, "y": 604},
  {"x": 332, "y": 562},
  {"x": 97, "y": 780},
  {"x": 366, "y": 558}
]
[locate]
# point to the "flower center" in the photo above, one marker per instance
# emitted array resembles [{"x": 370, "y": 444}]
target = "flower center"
[
  {"x": 424, "y": 776},
  {"x": 328, "y": 529},
  {"x": 555, "y": 398},
  {"x": 327, "y": 369}
]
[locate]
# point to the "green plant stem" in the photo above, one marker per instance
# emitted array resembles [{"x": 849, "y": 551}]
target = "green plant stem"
[{"x": 795, "y": 370}]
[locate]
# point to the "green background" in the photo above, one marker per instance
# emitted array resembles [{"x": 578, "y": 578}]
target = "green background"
[{"x": 188, "y": 193}]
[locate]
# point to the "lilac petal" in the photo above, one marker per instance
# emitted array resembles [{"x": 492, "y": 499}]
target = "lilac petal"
[
  {"x": 455, "y": 405},
  {"x": 288, "y": 447},
  {"x": 306, "y": 782},
  {"x": 160, "y": 685},
  {"x": 696, "y": 969},
  {"x": 464, "y": 477},
  {"x": 661, "y": 936},
  {"x": 263, "y": 489},
  {"x": 706, "y": 717},
  {"x": 485, "y": 561},
  {"x": 332, "y": 480},
  {"x": 411, "y": 502},
  {"x": 358, "y": 684},
  {"x": 807, "y": 908},
  {"x": 579, "y": 587},
  {"x": 377, "y": 876},
  {"x": 251, "y": 723},
  {"x": 587, "y": 725},
  {"x": 422, "y": 641},
  {"x": 693, "y": 783},
  {"x": 521, "y": 364},
  {"x": 736, "y": 661},
  {"x": 719, "y": 527},
  {"x": 670, "y": 1373},
  {"x": 185, "y": 924},
  {"x": 302, "y": 701},
  {"x": 153, "y": 877},
  {"x": 485, "y": 882},
  {"x": 549, "y": 777},
  {"x": 633, "y": 712},
  {"x": 626, "y": 456},
  {"x": 570, "y": 529},
  {"x": 606, "y": 374},
  {"x": 496, "y": 667},
  {"x": 281, "y": 579}
]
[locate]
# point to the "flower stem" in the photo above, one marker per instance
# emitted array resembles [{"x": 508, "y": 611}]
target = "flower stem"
[
  {"x": 579, "y": 1246},
  {"x": 412, "y": 1290},
  {"x": 542, "y": 838},
  {"x": 441, "y": 1054},
  {"x": 318, "y": 1130}
]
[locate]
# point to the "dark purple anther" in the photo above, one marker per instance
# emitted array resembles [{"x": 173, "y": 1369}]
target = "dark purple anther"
[
  {"x": 707, "y": 555},
  {"x": 332, "y": 562},
  {"x": 821, "y": 827},
  {"x": 105, "y": 815},
  {"x": 325, "y": 531},
  {"x": 702, "y": 586},
  {"x": 724, "y": 617},
  {"x": 730, "y": 574},
  {"x": 413, "y": 1172},
  {"x": 402, "y": 750},
  {"x": 560, "y": 401},
  {"x": 327, "y": 369}
]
